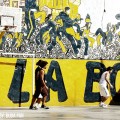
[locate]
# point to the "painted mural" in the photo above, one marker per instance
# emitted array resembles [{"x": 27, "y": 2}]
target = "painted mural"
[{"x": 58, "y": 29}]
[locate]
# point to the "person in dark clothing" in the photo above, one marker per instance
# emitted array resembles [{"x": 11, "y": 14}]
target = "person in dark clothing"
[
  {"x": 30, "y": 8},
  {"x": 67, "y": 23},
  {"x": 40, "y": 85},
  {"x": 49, "y": 25},
  {"x": 52, "y": 32},
  {"x": 103, "y": 34},
  {"x": 108, "y": 35}
]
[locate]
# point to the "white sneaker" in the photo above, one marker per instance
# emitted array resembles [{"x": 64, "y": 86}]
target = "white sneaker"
[
  {"x": 101, "y": 104},
  {"x": 38, "y": 106},
  {"x": 35, "y": 106},
  {"x": 104, "y": 106}
]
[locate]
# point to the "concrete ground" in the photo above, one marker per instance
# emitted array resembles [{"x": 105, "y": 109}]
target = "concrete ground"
[{"x": 61, "y": 113}]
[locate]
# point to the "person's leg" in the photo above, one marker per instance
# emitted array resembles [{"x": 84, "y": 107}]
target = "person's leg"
[
  {"x": 79, "y": 43},
  {"x": 104, "y": 39},
  {"x": 78, "y": 29},
  {"x": 44, "y": 94},
  {"x": 35, "y": 96},
  {"x": 86, "y": 46},
  {"x": 53, "y": 40},
  {"x": 104, "y": 95},
  {"x": 103, "y": 99},
  {"x": 43, "y": 103},
  {"x": 103, "y": 34},
  {"x": 72, "y": 41},
  {"x": 60, "y": 32},
  {"x": 39, "y": 37},
  {"x": 27, "y": 20},
  {"x": 44, "y": 100},
  {"x": 102, "y": 103},
  {"x": 37, "y": 103},
  {"x": 38, "y": 100},
  {"x": 99, "y": 31},
  {"x": 13, "y": 41},
  {"x": 32, "y": 102},
  {"x": 42, "y": 31}
]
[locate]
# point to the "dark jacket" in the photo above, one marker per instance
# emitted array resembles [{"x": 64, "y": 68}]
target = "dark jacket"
[{"x": 67, "y": 21}]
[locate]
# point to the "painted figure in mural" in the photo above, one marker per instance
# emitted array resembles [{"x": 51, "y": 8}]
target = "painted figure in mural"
[
  {"x": 52, "y": 33},
  {"x": 67, "y": 28},
  {"x": 40, "y": 85},
  {"x": 104, "y": 81},
  {"x": 12, "y": 41},
  {"x": 106, "y": 36},
  {"x": 50, "y": 27},
  {"x": 30, "y": 9},
  {"x": 86, "y": 31},
  {"x": 3, "y": 30},
  {"x": 85, "y": 37},
  {"x": 15, "y": 39},
  {"x": 47, "y": 26},
  {"x": 77, "y": 24}
]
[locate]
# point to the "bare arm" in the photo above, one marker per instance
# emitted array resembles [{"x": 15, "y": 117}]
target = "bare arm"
[
  {"x": 107, "y": 78},
  {"x": 42, "y": 78}
]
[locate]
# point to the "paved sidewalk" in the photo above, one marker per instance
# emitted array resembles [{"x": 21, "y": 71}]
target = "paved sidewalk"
[{"x": 61, "y": 113}]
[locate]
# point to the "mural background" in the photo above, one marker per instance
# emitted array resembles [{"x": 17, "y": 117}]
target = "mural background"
[
  {"x": 71, "y": 82},
  {"x": 87, "y": 35},
  {"x": 93, "y": 34}
]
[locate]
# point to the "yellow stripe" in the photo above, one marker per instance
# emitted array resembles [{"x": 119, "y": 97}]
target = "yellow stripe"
[{"x": 31, "y": 26}]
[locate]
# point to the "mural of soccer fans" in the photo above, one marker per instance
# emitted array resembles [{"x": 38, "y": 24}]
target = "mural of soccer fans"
[
  {"x": 30, "y": 9},
  {"x": 86, "y": 31},
  {"x": 3, "y": 30},
  {"x": 67, "y": 29},
  {"x": 106, "y": 36},
  {"x": 48, "y": 26},
  {"x": 54, "y": 29}
]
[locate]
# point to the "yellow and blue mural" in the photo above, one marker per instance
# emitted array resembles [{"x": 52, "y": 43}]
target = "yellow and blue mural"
[
  {"x": 56, "y": 29},
  {"x": 70, "y": 82},
  {"x": 69, "y": 35}
]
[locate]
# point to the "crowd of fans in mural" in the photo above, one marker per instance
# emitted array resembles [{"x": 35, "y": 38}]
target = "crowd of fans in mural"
[{"x": 36, "y": 37}]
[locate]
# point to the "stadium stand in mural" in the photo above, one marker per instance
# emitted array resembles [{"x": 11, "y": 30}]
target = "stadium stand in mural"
[{"x": 67, "y": 29}]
